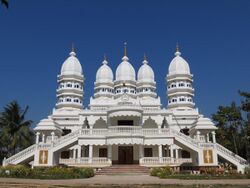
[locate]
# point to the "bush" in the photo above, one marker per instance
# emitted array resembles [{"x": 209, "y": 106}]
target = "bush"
[
  {"x": 155, "y": 171},
  {"x": 162, "y": 172},
  {"x": 247, "y": 172},
  {"x": 20, "y": 171},
  {"x": 165, "y": 172}
]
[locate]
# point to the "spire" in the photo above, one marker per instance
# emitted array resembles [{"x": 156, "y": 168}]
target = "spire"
[
  {"x": 125, "y": 58},
  {"x": 145, "y": 61},
  {"x": 177, "y": 53},
  {"x": 72, "y": 53},
  {"x": 125, "y": 48},
  {"x": 105, "y": 62}
]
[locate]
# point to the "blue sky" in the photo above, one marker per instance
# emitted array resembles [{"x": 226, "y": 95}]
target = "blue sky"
[{"x": 36, "y": 37}]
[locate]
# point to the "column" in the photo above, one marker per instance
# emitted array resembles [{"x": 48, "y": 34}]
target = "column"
[
  {"x": 198, "y": 135},
  {"x": 79, "y": 152},
  {"x": 141, "y": 153},
  {"x": 37, "y": 137},
  {"x": 167, "y": 151},
  {"x": 176, "y": 153},
  {"x": 74, "y": 153},
  {"x": 207, "y": 137},
  {"x": 43, "y": 138},
  {"x": 159, "y": 129},
  {"x": 213, "y": 136},
  {"x": 52, "y": 136},
  {"x": 160, "y": 153},
  {"x": 110, "y": 152},
  {"x": 171, "y": 153},
  {"x": 90, "y": 153}
]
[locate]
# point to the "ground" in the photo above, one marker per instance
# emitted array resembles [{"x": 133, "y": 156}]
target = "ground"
[{"x": 144, "y": 181}]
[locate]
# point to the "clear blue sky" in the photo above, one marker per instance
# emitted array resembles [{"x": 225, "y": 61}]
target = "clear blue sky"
[{"x": 36, "y": 37}]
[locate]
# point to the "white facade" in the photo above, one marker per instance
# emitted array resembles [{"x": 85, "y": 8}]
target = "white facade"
[{"x": 125, "y": 122}]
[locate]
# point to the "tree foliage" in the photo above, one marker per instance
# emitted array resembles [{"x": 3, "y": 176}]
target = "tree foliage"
[
  {"x": 15, "y": 132},
  {"x": 5, "y": 3},
  {"x": 233, "y": 126}
]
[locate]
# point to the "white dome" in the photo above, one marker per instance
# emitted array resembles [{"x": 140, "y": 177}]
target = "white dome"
[
  {"x": 125, "y": 71},
  {"x": 71, "y": 65},
  {"x": 104, "y": 73},
  {"x": 178, "y": 65},
  {"x": 145, "y": 73}
]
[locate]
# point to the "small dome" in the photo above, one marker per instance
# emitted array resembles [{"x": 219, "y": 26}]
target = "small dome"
[
  {"x": 178, "y": 65},
  {"x": 71, "y": 65},
  {"x": 125, "y": 71},
  {"x": 145, "y": 73},
  {"x": 104, "y": 73}
]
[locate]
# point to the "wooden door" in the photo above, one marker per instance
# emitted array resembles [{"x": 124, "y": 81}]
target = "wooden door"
[{"x": 125, "y": 155}]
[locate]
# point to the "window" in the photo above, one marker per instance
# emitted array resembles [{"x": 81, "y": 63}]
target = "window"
[
  {"x": 69, "y": 85},
  {"x": 68, "y": 100},
  {"x": 103, "y": 152},
  {"x": 148, "y": 152},
  {"x": 76, "y": 86},
  {"x": 125, "y": 122}
]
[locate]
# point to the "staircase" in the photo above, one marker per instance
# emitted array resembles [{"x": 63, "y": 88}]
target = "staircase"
[{"x": 123, "y": 170}]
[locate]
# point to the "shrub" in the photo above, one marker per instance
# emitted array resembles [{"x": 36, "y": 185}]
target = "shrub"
[
  {"x": 165, "y": 172},
  {"x": 162, "y": 172},
  {"x": 247, "y": 172},
  {"x": 20, "y": 171},
  {"x": 155, "y": 171}
]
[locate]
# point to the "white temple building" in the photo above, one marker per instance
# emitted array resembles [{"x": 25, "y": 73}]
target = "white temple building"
[{"x": 125, "y": 122}]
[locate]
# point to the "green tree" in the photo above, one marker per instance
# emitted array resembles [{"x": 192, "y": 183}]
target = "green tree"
[
  {"x": 245, "y": 106},
  {"x": 15, "y": 132},
  {"x": 229, "y": 122},
  {"x": 5, "y": 3}
]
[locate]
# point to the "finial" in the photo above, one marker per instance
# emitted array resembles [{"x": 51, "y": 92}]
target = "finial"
[
  {"x": 177, "y": 47},
  {"x": 72, "y": 53},
  {"x": 72, "y": 47},
  {"x": 177, "y": 53},
  {"x": 105, "y": 59},
  {"x": 145, "y": 61},
  {"x": 125, "y": 48}
]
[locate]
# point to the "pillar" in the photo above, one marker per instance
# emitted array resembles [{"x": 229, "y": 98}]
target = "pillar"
[
  {"x": 141, "y": 153},
  {"x": 160, "y": 153},
  {"x": 52, "y": 136},
  {"x": 110, "y": 152},
  {"x": 176, "y": 153},
  {"x": 198, "y": 135},
  {"x": 37, "y": 137},
  {"x": 171, "y": 154},
  {"x": 207, "y": 137},
  {"x": 43, "y": 138},
  {"x": 213, "y": 136},
  {"x": 74, "y": 153},
  {"x": 79, "y": 152},
  {"x": 90, "y": 153},
  {"x": 167, "y": 151}
]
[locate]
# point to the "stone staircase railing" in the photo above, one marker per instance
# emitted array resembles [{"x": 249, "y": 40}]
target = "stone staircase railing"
[
  {"x": 184, "y": 138},
  {"x": 230, "y": 154},
  {"x": 20, "y": 155}
]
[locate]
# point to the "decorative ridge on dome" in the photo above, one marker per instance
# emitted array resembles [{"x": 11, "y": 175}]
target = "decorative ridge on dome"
[
  {"x": 145, "y": 61},
  {"x": 72, "y": 53},
  {"x": 105, "y": 62},
  {"x": 177, "y": 53},
  {"x": 125, "y": 58}
]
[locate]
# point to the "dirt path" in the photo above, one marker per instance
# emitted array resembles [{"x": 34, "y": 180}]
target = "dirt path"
[{"x": 102, "y": 180}]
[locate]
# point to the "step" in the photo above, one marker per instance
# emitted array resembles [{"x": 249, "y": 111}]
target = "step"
[{"x": 123, "y": 170}]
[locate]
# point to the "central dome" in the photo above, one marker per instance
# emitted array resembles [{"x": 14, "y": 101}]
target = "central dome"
[
  {"x": 71, "y": 65},
  {"x": 178, "y": 65},
  {"x": 125, "y": 71}
]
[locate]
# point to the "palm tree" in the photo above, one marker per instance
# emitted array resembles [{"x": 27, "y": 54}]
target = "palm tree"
[{"x": 15, "y": 132}]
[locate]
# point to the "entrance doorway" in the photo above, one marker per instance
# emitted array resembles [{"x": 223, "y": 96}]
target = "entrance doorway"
[{"x": 125, "y": 155}]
